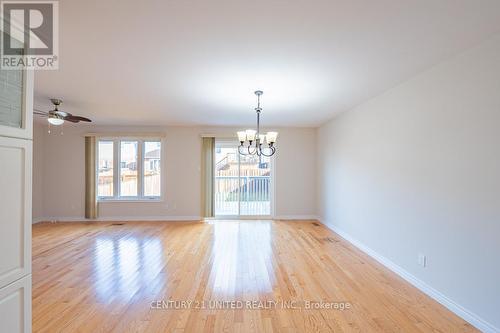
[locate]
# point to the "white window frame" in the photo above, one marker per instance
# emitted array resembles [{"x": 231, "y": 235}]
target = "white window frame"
[{"x": 140, "y": 169}]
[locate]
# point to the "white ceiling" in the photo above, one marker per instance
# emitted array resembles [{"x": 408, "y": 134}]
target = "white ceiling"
[{"x": 198, "y": 62}]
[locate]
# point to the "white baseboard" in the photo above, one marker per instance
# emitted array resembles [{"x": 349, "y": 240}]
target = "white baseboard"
[
  {"x": 295, "y": 217},
  {"x": 36, "y": 220},
  {"x": 152, "y": 218},
  {"x": 460, "y": 311},
  {"x": 117, "y": 218}
]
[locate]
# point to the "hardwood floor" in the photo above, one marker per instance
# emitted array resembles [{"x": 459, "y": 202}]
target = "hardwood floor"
[{"x": 100, "y": 277}]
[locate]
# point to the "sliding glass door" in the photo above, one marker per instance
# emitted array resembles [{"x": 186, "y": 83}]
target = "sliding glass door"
[
  {"x": 227, "y": 181},
  {"x": 242, "y": 184},
  {"x": 255, "y": 185}
]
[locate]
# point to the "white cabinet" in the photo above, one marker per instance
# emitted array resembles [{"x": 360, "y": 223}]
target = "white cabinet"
[
  {"x": 16, "y": 133},
  {"x": 15, "y": 306},
  {"x": 15, "y": 214}
]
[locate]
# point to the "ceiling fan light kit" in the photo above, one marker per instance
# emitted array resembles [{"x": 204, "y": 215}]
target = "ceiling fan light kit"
[
  {"x": 255, "y": 139},
  {"x": 54, "y": 120}
]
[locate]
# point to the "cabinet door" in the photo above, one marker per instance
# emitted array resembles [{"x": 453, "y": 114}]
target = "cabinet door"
[
  {"x": 15, "y": 306},
  {"x": 15, "y": 209},
  {"x": 16, "y": 103}
]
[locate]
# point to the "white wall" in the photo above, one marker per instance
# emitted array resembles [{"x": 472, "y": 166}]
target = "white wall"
[
  {"x": 60, "y": 184},
  {"x": 417, "y": 170}
]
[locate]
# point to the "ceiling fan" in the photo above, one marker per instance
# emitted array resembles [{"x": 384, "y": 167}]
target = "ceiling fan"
[{"x": 57, "y": 117}]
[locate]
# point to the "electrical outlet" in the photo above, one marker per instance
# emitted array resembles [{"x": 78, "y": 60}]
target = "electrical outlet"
[{"x": 422, "y": 260}]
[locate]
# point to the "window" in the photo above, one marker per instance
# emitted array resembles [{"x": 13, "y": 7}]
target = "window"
[
  {"x": 129, "y": 169},
  {"x": 105, "y": 169},
  {"x": 152, "y": 158}
]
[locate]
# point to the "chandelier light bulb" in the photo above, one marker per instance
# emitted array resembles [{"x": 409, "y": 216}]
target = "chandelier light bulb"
[
  {"x": 242, "y": 136},
  {"x": 271, "y": 137},
  {"x": 250, "y": 134}
]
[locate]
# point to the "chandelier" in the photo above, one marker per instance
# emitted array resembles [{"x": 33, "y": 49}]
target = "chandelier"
[{"x": 258, "y": 144}]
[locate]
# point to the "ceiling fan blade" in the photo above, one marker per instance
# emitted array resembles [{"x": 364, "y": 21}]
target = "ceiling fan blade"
[
  {"x": 71, "y": 119},
  {"x": 79, "y": 118},
  {"x": 61, "y": 113},
  {"x": 40, "y": 112}
]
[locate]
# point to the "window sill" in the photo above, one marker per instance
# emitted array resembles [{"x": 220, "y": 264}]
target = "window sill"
[{"x": 131, "y": 200}]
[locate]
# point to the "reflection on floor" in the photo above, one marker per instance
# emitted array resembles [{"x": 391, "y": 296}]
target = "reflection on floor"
[{"x": 248, "y": 276}]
